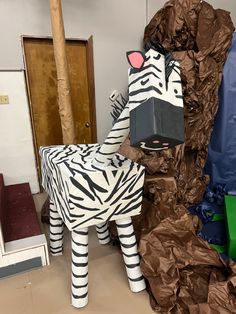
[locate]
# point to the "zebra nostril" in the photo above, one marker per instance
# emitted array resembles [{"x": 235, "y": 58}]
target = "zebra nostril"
[
  {"x": 156, "y": 142},
  {"x": 165, "y": 144}
]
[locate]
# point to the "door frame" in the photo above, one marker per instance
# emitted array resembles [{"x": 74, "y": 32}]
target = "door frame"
[{"x": 91, "y": 90}]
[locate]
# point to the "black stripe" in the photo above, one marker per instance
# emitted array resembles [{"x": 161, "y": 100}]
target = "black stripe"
[
  {"x": 143, "y": 76},
  {"x": 128, "y": 246},
  {"x": 140, "y": 190},
  {"x": 104, "y": 237},
  {"x": 53, "y": 218},
  {"x": 137, "y": 101},
  {"x": 124, "y": 225},
  {"x": 97, "y": 216},
  {"x": 120, "y": 129},
  {"x": 105, "y": 176},
  {"x": 128, "y": 210},
  {"x": 56, "y": 250},
  {"x": 131, "y": 265},
  {"x": 55, "y": 240},
  {"x": 80, "y": 296},
  {"x": 151, "y": 66},
  {"x": 100, "y": 227},
  {"x": 79, "y": 254},
  {"x": 105, "y": 154},
  {"x": 59, "y": 225},
  {"x": 79, "y": 286},
  {"x": 56, "y": 233},
  {"x": 79, "y": 264},
  {"x": 130, "y": 255},
  {"x": 79, "y": 244},
  {"x": 76, "y": 197},
  {"x": 80, "y": 232},
  {"x": 101, "y": 162},
  {"x": 143, "y": 90},
  {"x": 114, "y": 137},
  {"x": 79, "y": 276},
  {"x": 112, "y": 143},
  {"x": 136, "y": 279},
  {"x": 81, "y": 188},
  {"x": 115, "y": 187},
  {"x": 122, "y": 119},
  {"x": 123, "y": 236},
  {"x": 102, "y": 232}
]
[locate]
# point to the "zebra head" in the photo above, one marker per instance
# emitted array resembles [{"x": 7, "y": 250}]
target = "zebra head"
[{"x": 155, "y": 100}]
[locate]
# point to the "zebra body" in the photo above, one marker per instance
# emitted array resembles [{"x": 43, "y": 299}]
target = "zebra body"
[
  {"x": 82, "y": 195},
  {"x": 92, "y": 184},
  {"x": 85, "y": 195}
]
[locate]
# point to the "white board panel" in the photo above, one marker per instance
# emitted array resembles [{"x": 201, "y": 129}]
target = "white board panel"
[{"x": 17, "y": 160}]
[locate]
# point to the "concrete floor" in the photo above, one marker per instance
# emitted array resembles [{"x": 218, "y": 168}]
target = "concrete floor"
[{"x": 47, "y": 290}]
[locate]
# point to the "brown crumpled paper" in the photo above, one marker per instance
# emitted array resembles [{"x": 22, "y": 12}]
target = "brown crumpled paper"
[{"x": 184, "y": 275}]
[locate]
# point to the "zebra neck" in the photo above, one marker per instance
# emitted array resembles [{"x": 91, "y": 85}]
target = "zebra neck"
[{"x": 114, "y": 140}]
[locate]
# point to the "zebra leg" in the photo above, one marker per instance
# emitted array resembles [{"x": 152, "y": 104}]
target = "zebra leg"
[
  {"x": 79, "y": 246},
  {"x": 56, "y": 230},
  {"x": 103, "y": 233},
  {"x": 130, "y": 254}
]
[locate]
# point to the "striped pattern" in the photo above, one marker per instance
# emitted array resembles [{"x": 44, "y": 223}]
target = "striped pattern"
[
  {"x": 79, "y": 273},
  {"x": 56, "y": 231},
  {"x": 130, "y": 254},
  {"x": 151, "y": 81},
  {"x": 84, "y": 195},
  {"x": 103, "y": 233},
  {"x": 115, "y": 138}
]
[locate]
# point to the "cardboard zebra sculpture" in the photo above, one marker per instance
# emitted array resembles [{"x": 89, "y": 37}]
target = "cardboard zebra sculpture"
[{"x": 92, "y": 184}]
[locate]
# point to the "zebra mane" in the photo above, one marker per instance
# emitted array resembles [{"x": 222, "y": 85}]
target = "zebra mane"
[
  {"x": 169, "y": 60},
  {"x": 118, "y": 106}
]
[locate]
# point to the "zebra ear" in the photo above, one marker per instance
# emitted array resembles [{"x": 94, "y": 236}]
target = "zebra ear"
[{"x": 136, "y": 59}]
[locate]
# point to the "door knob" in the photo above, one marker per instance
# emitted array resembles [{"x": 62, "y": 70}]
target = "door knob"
[{"x": 87, "y": 124}]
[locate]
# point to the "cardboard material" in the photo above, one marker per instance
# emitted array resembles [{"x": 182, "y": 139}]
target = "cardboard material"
[{"x": 158, "y": 98}]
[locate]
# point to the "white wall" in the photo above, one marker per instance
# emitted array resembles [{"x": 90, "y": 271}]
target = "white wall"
[{"x": 17, "y": 161}]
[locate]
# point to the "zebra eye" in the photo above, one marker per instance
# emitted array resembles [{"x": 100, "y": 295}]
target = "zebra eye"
[
  {"x": 157, "y": 57},
  {"x": 175, "y": 91},
  {"x": 144, "y": 82}
]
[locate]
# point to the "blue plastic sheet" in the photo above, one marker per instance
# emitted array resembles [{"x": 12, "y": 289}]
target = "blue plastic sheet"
[{"x": 221, "y": 163}]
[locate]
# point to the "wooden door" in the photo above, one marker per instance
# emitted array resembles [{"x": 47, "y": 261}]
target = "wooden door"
[{"x": 42, "y": 89}]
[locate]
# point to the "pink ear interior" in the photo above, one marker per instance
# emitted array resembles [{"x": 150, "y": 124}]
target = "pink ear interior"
[{"x": 136, "y": 59}]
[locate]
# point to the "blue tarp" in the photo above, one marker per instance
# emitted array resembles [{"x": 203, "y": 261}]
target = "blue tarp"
[{"x": 221, "y": 163}]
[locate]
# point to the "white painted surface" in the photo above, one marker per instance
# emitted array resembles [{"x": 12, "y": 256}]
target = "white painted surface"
[
  {"x": 17, "y": 161},
  {"x": 228, "y": 5}
]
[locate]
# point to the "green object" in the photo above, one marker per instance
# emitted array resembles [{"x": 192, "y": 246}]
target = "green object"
[
  {"x": 219, "y": 248},
  {"x": 230, "y": 210},
  {"x": 218, "y": 217}
]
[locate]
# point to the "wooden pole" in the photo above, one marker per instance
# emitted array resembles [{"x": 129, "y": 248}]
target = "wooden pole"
[{"x": 63, "y": 84}]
